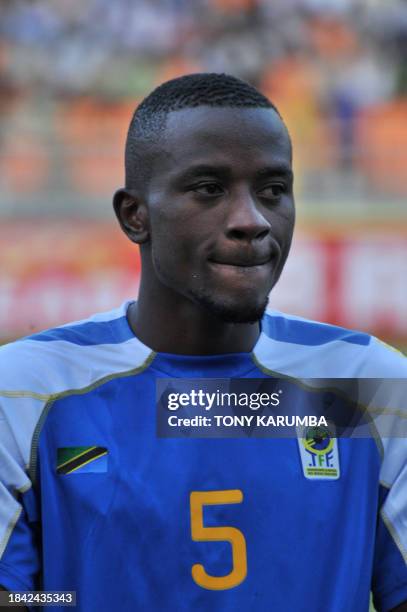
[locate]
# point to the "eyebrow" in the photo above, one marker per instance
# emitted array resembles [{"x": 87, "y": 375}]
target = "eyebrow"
[
  {"x": 192, "y": 172},
  {"x": 280, "y": 169}
]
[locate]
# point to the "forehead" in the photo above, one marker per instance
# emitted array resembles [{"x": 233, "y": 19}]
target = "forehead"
[{"x": 238, "y": 136}]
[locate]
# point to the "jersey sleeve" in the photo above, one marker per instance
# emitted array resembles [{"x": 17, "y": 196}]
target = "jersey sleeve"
[
  {"x": 389, "y": 580},
  {"x": 389, "y": 577},
  {"x": 19, "y": 546},
  {"x": 389, "y": 584}
]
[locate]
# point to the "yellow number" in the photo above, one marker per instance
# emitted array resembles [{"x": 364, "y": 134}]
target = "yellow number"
[{"x": 200, "y": 533}]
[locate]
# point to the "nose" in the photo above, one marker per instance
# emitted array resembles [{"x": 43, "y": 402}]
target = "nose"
[{"x": 245, "y": 221}]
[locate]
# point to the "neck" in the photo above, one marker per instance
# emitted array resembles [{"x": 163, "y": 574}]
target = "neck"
[{"x": 177, "y": 325}]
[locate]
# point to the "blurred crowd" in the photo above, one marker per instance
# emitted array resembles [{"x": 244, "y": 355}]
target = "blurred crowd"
[
  {"x": 70, "y": 73},
  {"x": 71, "y": 47}
]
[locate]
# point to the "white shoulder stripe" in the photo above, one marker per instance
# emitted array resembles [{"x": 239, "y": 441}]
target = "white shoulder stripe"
[
  {"x": 335, "y": 359},
  {"x": 40, "y": 369}
]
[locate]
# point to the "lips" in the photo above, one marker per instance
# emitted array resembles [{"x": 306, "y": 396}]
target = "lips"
[{"x": 241, "y": 262}]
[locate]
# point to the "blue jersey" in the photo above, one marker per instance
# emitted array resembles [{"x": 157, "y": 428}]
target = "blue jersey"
[{"x": 92, "y": 501}]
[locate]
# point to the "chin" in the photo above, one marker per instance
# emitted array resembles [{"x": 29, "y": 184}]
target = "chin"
[{"x": 241, "y": 312}]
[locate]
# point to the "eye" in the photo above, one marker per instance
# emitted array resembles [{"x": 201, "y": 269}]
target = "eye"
[
  {"x": 208, "y": 189},
  {"x": 273, "y": 191}
]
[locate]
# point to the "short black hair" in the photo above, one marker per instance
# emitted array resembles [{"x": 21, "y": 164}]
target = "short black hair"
[{"x": 189, "y": 91}]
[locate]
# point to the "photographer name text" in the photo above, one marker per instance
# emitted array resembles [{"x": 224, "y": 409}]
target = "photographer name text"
[{"x": 218, "y": 400}]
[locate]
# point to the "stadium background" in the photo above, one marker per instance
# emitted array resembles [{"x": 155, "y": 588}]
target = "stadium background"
[{"x": 70, "y": 76}]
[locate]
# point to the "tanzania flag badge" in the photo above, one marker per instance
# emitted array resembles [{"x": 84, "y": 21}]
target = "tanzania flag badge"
[{"x": 81, "y": 459}]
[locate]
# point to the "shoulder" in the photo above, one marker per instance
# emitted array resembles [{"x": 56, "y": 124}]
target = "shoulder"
[
  {"x": 38, "y": 369},
  {"x": 301, "y": 347},
  {"x": 68, "y": 357}
]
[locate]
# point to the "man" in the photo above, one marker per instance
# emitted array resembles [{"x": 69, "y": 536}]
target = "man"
[{"x": 93, "y": 501}]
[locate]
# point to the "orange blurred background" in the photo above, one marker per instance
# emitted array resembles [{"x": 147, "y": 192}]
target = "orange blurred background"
[{"x": 71, "y": 76}]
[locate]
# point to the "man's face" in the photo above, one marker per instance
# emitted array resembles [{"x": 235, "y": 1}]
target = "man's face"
[{"x": 221, "y": 209}]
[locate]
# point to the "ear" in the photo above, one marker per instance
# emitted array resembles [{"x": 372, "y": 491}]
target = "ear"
[{"x": 132, "y": 214}]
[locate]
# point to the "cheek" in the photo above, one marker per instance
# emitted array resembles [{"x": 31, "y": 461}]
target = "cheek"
[
  {"x": 171, "y": 252},
  {"x": 178, "y": 233},
  {"x": 284, "y": 227},
  {"x": 166, "y": 226}
]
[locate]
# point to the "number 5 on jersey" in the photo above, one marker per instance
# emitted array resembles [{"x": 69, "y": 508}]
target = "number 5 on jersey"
[{"x": 200, "y": 533}]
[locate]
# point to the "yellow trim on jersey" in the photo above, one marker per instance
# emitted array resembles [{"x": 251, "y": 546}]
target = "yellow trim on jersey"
[
  {"x": 385, "y": 484},
  {"x": 391, "y": 348},
  {"x": 31, "y": 394},
  {"x": 394, "y": 535},
  {"x": 49, "y": 397},
  {"x": 9, "y": 530}
]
